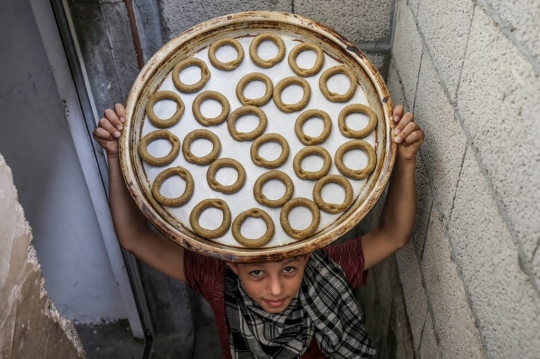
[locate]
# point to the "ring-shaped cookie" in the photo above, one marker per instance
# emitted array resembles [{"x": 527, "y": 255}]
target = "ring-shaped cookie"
[
  {"x": 300, "y": 233},
  {"x": 332, "y": 96},
  {"x": 154, "y": 135},
  {"x": 356, "y": 174},
  {"x": 226, "y": 66},
  {"x": 303, "y": 71},
  {"x": 273, "y": 175},
  {"x": 308, "y": 140},
  {"x": 291, "y": 107},
  {"x": 269, "y": 137},
  {"x": 242, "y": 111},
  {"x": 178, "y": 201},
  {"x": 226, "y": 162},
  {"x": 254, "y": 46},
  {"x": 210, "y": 233},
  {"x": 164, "y": 95},
  {"x": 357, "y": 108},
  {"x": 244, "y": 81},
  {"x": 210, "y": 121},
  {"x": 308, "y": 151},
  {"x": 192, "y": 61},
  {"x": 201, "y": 133},
  {"x": 332, "y": 207},
  {"x": 258, "y": 242}
]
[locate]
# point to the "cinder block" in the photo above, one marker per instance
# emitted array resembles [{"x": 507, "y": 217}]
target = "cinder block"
[
  {"x": 413, "y": 290},
  {"x": 522, "y": 18},
  {"x": 429, "y": 348},
  {"x": 357, "y": 20},
  {"x": 505, "y": 304},
  {"x": 445, "y": 142},
  {"x": 395, "y": 86},
  {"x": 407, "y": 50},
  {"x": 424, "y": 207},
  {"x": 445, "y": 26},
  {"x": 499, "y": 101},
  {"x": 453, "y": 320},
  {"x": 179, "y": 16},
  {"x": 413, "y": 5}
]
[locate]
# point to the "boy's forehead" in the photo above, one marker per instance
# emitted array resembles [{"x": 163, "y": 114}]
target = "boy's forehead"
[{"x": 282, "y": 262}]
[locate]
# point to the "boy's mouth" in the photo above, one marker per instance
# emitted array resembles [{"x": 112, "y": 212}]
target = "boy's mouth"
[{"x": 275, "y": 303}]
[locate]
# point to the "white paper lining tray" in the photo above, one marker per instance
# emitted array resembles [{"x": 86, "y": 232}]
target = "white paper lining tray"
[{"x": 157, "y": 76}]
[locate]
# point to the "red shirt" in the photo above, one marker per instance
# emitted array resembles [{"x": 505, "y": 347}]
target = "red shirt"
[{"x": 207, "y": 276}]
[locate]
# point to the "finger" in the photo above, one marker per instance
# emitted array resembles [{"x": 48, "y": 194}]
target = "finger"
[
  {"x": 415, "y": 136},
  {"x": 113, "y": 119},
  {"x": 106, "y": 125},
  {"x": 120, "y": 112},
  {"x": 405, "y": 120},
  {"x": 102, "y": 134},
  {"x": 398, "y": 112},
  {"x": 409, "y": 128}
]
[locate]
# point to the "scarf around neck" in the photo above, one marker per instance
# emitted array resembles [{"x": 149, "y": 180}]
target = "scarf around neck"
[{"x": 324, "y": 307}]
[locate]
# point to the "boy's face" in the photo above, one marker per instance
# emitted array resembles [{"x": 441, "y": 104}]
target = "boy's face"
[{"x": 272, "y": 285}]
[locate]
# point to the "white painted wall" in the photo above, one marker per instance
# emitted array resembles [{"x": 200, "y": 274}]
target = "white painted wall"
[{"x": 36, "y": 143}]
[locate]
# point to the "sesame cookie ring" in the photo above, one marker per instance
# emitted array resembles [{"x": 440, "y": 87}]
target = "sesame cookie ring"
[
  {"x": 254, "y": 46},
  {"x": 247, "y": 110},
  {"x": 164, "y": 95},
  {"x": 210, "y": 233},
  {"x": 302, "y": 71},
  {"x": 253, "y": 243},
  {"x": 307, "y": 151},
  {"x": 159, "y": 161},
  {"x": 331, "y": 207},
  {"x": 287, "y": 81},
  {"x": 178, "y": 201},
  {"x": 355, "y": 174},
  {"x": 308, "y": 140},
  {"x": 202, "y": 133},
  {"x": 269, "y": 137},
  {"x": 226, "y": 162},
  {"x": 207, "y": 95},
  {"x": 192, "y": 61},
  {"x": 357, "y": 108},
  {"x": 332, "y": 96},
  {"x": 284, "y": 217},
  {"x": 273, "y": 175},
  {"x": 244, "y": 81},
  {"x": 226, "y": 66}
]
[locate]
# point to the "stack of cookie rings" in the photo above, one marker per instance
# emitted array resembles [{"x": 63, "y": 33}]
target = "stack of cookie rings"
[{"x": 252, "y": 106}]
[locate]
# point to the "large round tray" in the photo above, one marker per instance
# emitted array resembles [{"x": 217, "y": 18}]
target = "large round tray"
[{"x": 138, "y": 175}]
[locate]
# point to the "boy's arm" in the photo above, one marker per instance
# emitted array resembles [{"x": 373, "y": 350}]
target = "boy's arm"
[
  {"x": 131, "y": 227},
  {"x": 397, "y": 218}
]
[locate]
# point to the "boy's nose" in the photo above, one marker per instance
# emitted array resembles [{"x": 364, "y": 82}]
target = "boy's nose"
[{"x": 275, "y": 287}]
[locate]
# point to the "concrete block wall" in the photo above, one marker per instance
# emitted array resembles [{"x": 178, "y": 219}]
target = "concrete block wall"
[{"x": 469, "y": 70}]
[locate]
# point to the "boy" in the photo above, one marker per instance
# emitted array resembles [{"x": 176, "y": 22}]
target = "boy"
[{"x": 300, "y": 307}]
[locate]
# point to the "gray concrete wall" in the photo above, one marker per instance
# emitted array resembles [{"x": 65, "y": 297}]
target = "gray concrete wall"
[
  {"x": 470, "y": 72},
  {"x": 31, "y": 325}
]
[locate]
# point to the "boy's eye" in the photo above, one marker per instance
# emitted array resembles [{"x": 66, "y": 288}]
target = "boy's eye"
[
  {"x": 289, "y": 270},
  {"x": 256, "y": 273}
]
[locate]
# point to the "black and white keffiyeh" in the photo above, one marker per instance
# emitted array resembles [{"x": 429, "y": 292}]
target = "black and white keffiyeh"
[{"x": 324, "y": 307}]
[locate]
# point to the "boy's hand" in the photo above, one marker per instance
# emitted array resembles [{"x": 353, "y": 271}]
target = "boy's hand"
[
  {"x": 110, "y": 128},
  {"x": 409, "y": 136}
]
